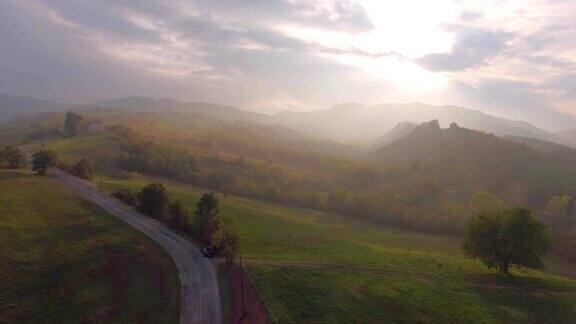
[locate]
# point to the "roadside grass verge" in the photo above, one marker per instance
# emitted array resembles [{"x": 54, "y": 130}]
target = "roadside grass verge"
[{"x": 63, "y": 259}]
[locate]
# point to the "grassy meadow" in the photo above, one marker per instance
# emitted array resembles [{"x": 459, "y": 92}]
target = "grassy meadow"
[
  {"x": 64, "y": 260},
  {"x": 313, "y": 266}
]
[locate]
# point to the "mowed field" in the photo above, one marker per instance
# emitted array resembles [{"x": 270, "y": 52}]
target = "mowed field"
[
  {"x": 317, "y": 267},
  {"x": 63, "y": 260}
]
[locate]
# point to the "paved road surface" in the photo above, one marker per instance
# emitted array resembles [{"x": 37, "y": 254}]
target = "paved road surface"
[{"x": 200, "y": 300}]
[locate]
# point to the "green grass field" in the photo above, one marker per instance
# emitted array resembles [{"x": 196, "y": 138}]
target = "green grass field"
[
  {"x": 313, "y": 266},
  {"x": 101, "y": 151},
  {"x": 318, "y": 267},
  {"x": 64, "y": 260}
]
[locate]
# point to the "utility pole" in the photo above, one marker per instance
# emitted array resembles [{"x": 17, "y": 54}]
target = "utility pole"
[{"x": 242, "y": 288}]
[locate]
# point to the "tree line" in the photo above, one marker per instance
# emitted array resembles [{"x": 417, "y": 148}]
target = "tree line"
[
  {"x": 394, "y": 198},
  {"x": 206, "y": 224}
]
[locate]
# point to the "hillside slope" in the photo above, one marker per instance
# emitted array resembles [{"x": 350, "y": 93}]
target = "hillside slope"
[
  {"x": 12, "y": 106},
  {"x": 569, "y": 136},
  {"x": 311, "y": 266},
  {"x": 64, "y": 260},
  {"x": 399, "y": 131},
  {"x": 167, "y": 104}
]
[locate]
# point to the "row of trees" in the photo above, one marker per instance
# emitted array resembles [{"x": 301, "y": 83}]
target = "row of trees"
[
  {"x": 208, "y": 225},
  {"x": 392, "y": 194}
]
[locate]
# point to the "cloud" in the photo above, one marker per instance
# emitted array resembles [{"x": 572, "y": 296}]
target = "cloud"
[
  {"x": 335, "y": 14},
  {"x": 468, "y": 15},
  {"x": 303, "y": 54},
  {"x": 565, "y": 84},
  {"x": 472, "y": 48}
]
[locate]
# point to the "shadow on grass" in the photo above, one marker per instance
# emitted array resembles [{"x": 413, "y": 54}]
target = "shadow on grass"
[{"x": 523, "y": 298}]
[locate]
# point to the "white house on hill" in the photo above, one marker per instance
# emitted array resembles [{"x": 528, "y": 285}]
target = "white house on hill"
[{"x": 96, "y": 128}]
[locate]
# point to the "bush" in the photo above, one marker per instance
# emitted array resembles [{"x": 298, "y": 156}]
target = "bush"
[
  {"x": 83, "y": 170},
  {"x": 127, "y": 197},
  {"x": 153, "y": 200}
]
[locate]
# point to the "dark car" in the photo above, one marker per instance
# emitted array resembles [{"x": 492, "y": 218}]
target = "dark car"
[{"x": 207, "y": 252}]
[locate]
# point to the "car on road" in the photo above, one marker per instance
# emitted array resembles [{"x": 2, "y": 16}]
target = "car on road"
[{"x": 208, "y": 252}]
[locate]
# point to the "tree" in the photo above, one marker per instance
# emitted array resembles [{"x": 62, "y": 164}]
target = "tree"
[
  {"x": 501, "y": 239},
  {"x": 13, "y": 156},
  {"x": 153, "y": 200},
  {"x": 177, "y": 216},
  {"x": 205, "y": 220},
  {"x": 83, "y": 170},
  {"x": 225, "y": 238},
  {"x": 42, "y": 160},
  {"x": 72, "y": 124},
  {"x": 485, "y": 202}
]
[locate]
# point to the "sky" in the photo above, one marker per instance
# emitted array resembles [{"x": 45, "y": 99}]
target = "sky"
[{"x": 511, "y": 58}]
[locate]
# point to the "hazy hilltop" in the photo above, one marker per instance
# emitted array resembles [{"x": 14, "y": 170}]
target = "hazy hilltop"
[
  {"x": 430, "y": 143},
  {"x": 350, "y": 123},
  {"x": 569, "y": 136},
  {"x": 13, "y": 106},
  {"x": 399, "y": 131},
  {"x": 165, "y": 104},
  {"x": 358, "y": 122}
]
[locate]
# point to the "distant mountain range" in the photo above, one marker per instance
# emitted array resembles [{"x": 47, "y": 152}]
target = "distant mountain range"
[
  {"x": 214, "y": 110},
  {"x": 344, "y": 122},
  {"x": 362, "y": 122},
  {"x": 13, "y": 106}
]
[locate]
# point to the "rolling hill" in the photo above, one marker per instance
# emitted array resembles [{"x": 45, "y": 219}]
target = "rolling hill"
[
  {"x": 13, "y": 106},
  {"x": 399, "y": 131},
  {"x": 351, "y": 123},
  {"x": 569, "y": 136},
  {"x": 311, "y": 265},
  {"x": 167, "y": 104}
]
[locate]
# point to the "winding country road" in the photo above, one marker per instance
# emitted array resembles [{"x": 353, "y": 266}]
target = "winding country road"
[{"x": 200, "y": 300}]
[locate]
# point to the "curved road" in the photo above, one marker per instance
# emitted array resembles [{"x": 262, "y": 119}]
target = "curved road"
[{"x": 200, "y": 300}]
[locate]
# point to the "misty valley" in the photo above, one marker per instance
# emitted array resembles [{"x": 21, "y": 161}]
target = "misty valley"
[
  {"x": 310, "y": 214},
  {"x": 287, "y": 161}
]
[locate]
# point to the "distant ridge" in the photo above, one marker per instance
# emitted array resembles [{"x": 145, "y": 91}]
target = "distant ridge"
[
  {"x": 568, "y": 136},
  {"x": 210, "y": 109},
  {"x": 12, "y": 106},
  {"x": 358, "y": 122},
  {"x": 348, "y": 122},
  {"x": 399, "y": 131}
]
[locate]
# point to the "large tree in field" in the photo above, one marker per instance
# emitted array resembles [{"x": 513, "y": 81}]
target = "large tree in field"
[
  {"x": 153, "y": 200},
  {"x": 205, "y": 222},
  {"x": 72, "y": 124},
  {"x": 13, "y": 156},
  {"x": 42, "y": 160},
  {"x": 225, "y": 238},
  {"x": 510, "y": 237}
]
